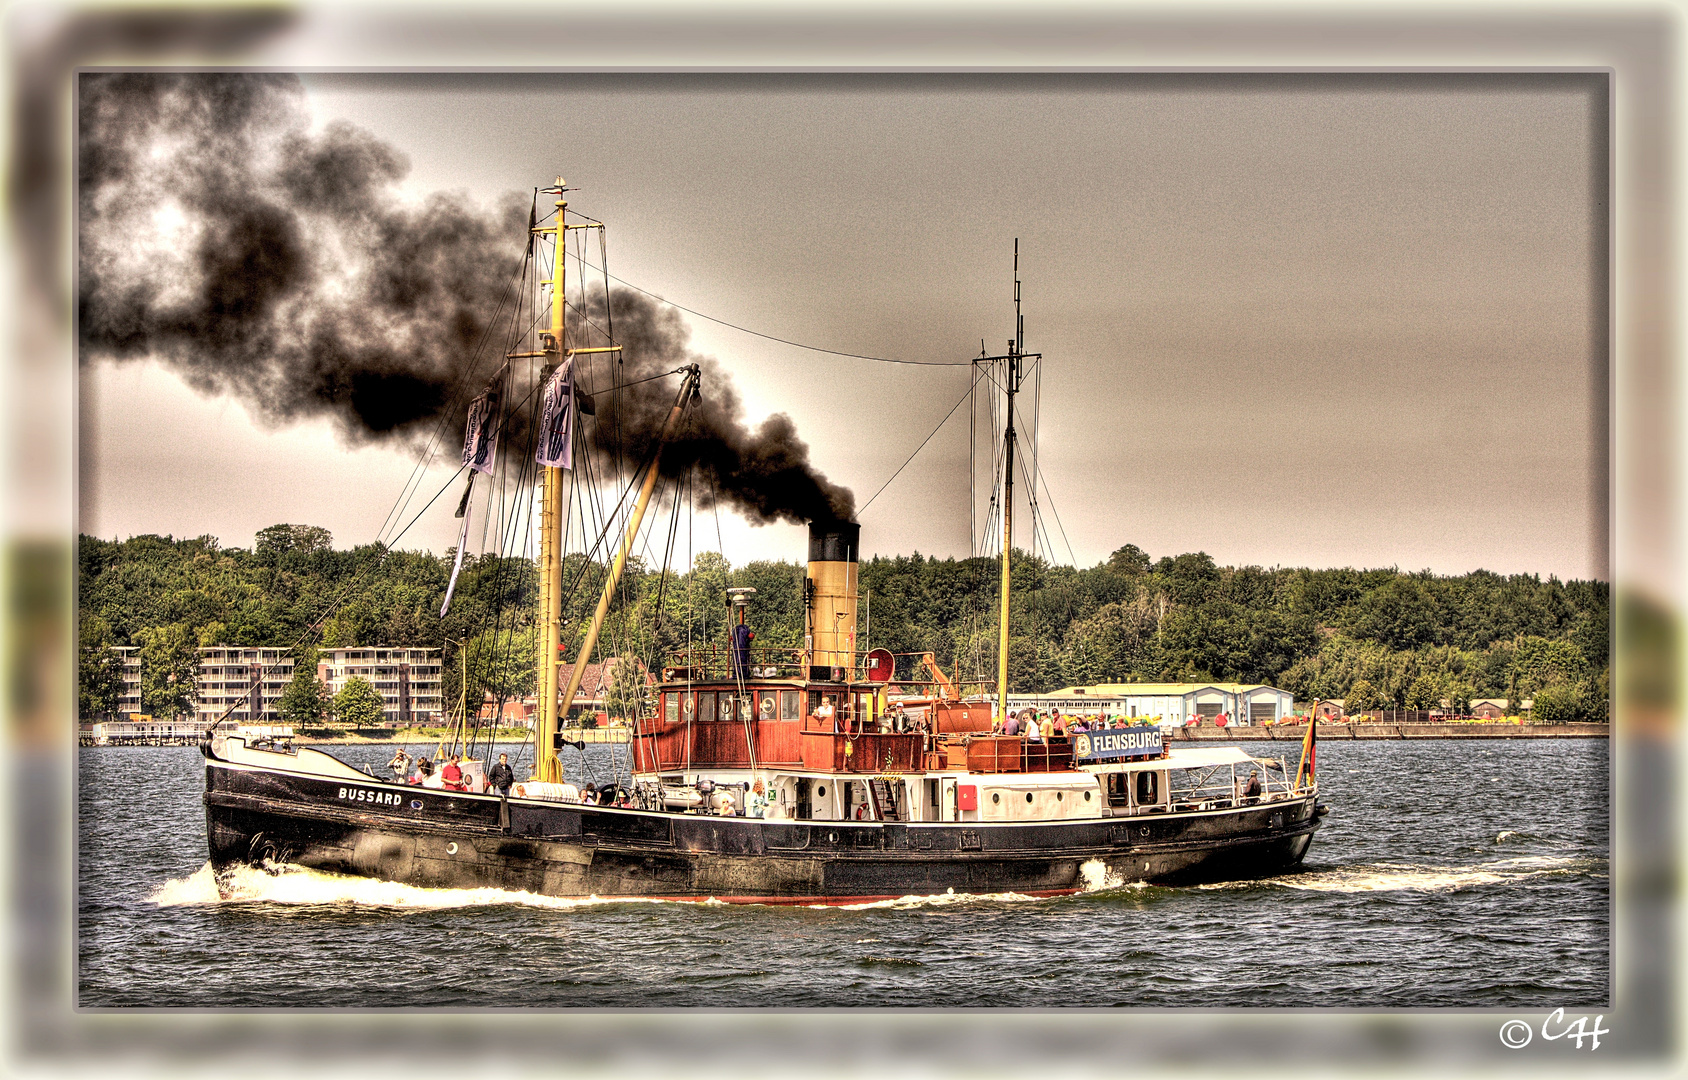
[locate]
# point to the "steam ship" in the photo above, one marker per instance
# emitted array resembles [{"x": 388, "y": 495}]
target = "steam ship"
[{"x": 778, "y": 776}]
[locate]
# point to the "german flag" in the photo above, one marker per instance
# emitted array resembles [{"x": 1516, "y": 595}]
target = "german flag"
[{"x": 1309, "y": 748}]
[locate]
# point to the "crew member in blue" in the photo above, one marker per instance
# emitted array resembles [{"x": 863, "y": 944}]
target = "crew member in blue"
[{"x": 742, "y": 637}]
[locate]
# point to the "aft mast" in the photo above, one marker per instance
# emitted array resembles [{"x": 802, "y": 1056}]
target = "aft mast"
[{"x": 1011, "y": 361}]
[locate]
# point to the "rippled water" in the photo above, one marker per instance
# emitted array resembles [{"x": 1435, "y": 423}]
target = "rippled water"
[{"x": 1447, "y": 874}]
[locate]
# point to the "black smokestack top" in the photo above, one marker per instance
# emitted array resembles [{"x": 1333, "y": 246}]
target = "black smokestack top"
[
  {"x": 764, "y": 473},
  {"x": 834, "y": 541},
  {"x": 221, "y": 235}
]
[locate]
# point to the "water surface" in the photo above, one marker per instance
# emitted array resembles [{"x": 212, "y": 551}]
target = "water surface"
[{"x": 1448, "y": 874}]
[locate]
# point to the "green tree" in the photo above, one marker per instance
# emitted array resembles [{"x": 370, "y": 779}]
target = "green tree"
[
  {"x": 99, "y": 670},
  {"x": 626, "y": 694},
  {"x": 503, "y": 664},
  {"x": 169, "y": 670},
  {"x": 1130, "y": 560},
  {"x": 1540, "y": 663},
  {"x": 358, "y": 704},
  {"x": 1362, "y": 696},
  {"x": 1424, "y": 693},
  {"x": 1560, "y": 703},
  {"x": 281, "y": 539},
  {"x": 306, "y": 700}
]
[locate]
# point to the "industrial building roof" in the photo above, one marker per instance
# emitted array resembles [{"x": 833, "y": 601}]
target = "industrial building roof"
[{"x": 1158, "y": 689}]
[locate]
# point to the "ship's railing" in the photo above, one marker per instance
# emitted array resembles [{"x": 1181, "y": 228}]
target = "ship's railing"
[
  {"x": 1218, "y": 787},
  {"x": 710, "y": 663},
  {"x": 704, "y": 663}
]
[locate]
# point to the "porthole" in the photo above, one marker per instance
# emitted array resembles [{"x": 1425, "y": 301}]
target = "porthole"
[
  {"x": 821, "y": 791},
  {"x": 1060, "y": 795},
  {"x": 451, "y": 848},
  {"x": 832, "y": 838},
  {"x": 996, "y": 796},
  {"x": 1087, "y": 796},
  {"x": 1028, "y": 796}
]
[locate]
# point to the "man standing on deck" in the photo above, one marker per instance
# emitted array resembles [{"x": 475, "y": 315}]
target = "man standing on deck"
[
  {"x": 742, "y": 637},
  {"x": 500, "y": 775}
]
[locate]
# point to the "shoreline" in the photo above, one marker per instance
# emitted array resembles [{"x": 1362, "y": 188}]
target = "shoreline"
[
  {"x": 1285, "y": 733},
  {"x": 1373, "y": 731}
]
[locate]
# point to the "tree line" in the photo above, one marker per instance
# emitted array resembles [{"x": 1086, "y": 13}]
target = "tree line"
[{"x": 1376, "y": 638}]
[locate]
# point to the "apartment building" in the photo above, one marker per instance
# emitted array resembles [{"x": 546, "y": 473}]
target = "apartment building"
[
  {"x": 407, "y": 679},
  {"x": 253, "y": 680}
]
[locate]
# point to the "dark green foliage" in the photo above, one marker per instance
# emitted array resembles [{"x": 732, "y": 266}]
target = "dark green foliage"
[
  {"x": 305, "y": 702},
  {"x": 358, "y": 704},
  {"x": 169, "y": 670},
  {"x": 100, "y": 670},
  {"x": 1413, "y": 638}
]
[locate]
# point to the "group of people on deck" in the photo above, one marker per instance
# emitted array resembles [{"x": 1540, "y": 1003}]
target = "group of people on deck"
[
  {"x": 1037, "y": 725},
  {"x": 453, "y": 776}
]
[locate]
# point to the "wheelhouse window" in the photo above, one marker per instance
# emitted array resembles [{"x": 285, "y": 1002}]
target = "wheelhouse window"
[
  {"x": 706, "y": 705},
  {"x": 788, "y": 705},
  {"x": 671, "y": 708}
]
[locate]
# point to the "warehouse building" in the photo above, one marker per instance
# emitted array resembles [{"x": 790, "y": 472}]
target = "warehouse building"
[{"x": 1174, "y": 703}]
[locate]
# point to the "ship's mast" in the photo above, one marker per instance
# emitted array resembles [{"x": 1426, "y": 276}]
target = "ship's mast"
[
  {"x": 550, "y": 531},
  {"x": 1011, "y": 360}
]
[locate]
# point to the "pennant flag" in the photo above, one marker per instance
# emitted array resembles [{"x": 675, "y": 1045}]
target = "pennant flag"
[
  {"x": 462, "y": 542},
  {"x": 480, "y": 439},
  {"x": 556, "y": 419}
]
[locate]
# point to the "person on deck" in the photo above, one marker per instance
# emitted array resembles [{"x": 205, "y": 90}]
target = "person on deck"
[
  {"x": 1046, "y": 729},
  {"x": 452, "y": 774},
  {"x": 756, "y": 805},
  {"x": 742, "y": 637},
  {"x": 424, "y": 769},
  {"x": 501, "y": 776},
  {"x": 400, "y": 763}
]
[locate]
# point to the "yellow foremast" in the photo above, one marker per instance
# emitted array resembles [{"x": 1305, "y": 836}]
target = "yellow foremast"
[{"x": 554, "y": 702}]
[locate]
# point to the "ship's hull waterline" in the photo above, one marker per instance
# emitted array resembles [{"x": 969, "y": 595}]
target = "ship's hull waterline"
[{"x": 442, "y": 839}]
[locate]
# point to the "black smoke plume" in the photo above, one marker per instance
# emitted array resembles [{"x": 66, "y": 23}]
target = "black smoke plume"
[
  {"x": 219, "y": 234},
  {"x": 764, "y": 473},
  {"x": 256, "y": 257}
]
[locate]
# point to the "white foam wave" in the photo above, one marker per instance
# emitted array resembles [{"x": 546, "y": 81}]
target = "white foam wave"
[
  {"x": 298, "y": 886},
  {"x": 1097, "y": 876},
  {"x": 1395, "y": 877},
  {"x": 943, "y": 899}
]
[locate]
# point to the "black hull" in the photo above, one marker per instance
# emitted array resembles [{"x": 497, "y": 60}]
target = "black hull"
[{"x": 441, "y": 839}]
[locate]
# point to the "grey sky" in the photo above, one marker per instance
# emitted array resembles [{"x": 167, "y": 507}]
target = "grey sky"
[{"x": 1311, "y": 320}]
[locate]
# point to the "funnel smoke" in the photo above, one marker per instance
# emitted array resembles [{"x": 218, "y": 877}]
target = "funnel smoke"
[
  {"x": 764, "y": 472},
  {"x": 259, "y": 258}
]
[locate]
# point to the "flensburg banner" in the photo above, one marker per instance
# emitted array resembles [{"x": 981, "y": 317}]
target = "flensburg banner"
[
  {"x": 556, "y": 419},
  {"x": 480, "y": 438},
  {"x": 1115, "y": 743}
]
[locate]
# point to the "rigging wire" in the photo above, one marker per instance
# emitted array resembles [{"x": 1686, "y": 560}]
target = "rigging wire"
[
  {"x": 962, "y": 400},
  {"x": 466, "y": 379},
  {"x": 772, "y": 337}
]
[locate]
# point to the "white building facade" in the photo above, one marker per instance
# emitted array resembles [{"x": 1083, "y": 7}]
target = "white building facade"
[
  {"x": 407, "y": 679},
  {"x": 1173, "y": 703},
  {"x": 252, "y": 680}
]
